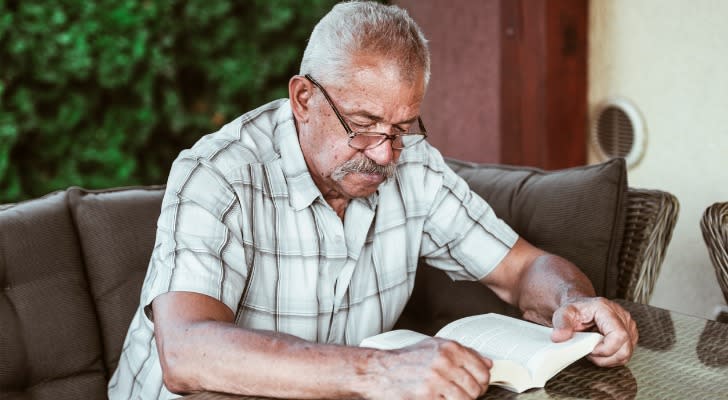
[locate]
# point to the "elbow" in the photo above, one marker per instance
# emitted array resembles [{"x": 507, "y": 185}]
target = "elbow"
[
  {"x": 174, "y": 382},
  {"x": 175, "y": 374}
]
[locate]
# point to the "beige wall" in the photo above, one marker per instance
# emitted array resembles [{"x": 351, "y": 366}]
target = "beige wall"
[{"x": 670, "y": 58}]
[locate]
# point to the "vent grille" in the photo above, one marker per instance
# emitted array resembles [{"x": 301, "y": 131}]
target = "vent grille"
[
  {"x": 615, "y": 132},
  {"x": 618, "y": 131}
]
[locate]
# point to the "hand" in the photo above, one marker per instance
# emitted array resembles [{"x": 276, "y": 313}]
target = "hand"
[
  {"x": 611, "y": 320},
  {"x": 433, "y": 369}
]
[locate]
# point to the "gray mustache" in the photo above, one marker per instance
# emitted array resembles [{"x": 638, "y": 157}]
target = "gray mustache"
[{"x": 363, "y": 166}]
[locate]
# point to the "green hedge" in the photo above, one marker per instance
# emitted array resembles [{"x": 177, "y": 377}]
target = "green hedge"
[{"x": 107, "y": 92}]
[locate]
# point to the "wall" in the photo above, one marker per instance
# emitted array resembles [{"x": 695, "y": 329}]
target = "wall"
[
  {"x": 670, "y": 58},
  {"x": 462, "y": 115}
]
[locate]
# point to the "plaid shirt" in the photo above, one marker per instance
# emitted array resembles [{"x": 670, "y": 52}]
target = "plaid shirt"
[{"x": 242, "y": 221}]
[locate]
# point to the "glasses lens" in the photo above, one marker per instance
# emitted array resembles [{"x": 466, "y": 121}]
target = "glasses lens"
[{"x": 368, "y": 140}]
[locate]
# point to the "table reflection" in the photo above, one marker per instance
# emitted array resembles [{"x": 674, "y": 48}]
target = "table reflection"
[
  {"x": 713, "y": 345},
  {"x": 657, "y": 331},
  {"x": 585, "y": 380}
]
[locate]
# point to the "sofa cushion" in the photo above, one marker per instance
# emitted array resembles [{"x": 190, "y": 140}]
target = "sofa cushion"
[
  {"x": 49, "y": 343},
  {"x": 577, "y": 213},
  {"x": 116, "y": 228}
]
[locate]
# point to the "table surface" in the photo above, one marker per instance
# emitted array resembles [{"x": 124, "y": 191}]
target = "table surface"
[{"x": 677, "y": 357}]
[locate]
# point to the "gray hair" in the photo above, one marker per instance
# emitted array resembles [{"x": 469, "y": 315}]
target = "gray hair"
[{"x": 365, "y": 27}]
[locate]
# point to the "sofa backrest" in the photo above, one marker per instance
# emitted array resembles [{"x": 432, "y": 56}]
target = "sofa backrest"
[
  {"x": 49, "y": 342},
  {"x": 116, "y": 229},
  {"x": 71, "y": 269},
  {"x": 577, "y": 213}
]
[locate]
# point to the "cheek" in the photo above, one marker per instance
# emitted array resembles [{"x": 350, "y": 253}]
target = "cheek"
[{"x": 329, "y": 158}]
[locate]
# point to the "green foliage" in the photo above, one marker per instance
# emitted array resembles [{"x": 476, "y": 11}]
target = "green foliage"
[{"x": 106, "y": 93}]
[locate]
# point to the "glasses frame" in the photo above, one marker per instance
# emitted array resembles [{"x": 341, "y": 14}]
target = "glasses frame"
[{"x": 352, "y": 134}]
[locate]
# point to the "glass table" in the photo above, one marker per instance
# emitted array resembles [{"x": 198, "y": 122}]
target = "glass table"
[{"x": 677, "y": 357}]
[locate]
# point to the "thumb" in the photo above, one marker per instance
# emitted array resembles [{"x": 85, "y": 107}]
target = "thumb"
[
  {"x": 563, "y": 327},
  {"x": 562, "y": 334}
]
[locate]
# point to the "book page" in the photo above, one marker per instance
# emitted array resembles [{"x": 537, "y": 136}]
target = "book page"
[
  {"x": 393, "y": 339},
  {"x": 522, "y": 352},
  {"x": 510, "y": 375},
  {"x": 500, "y": 337}
]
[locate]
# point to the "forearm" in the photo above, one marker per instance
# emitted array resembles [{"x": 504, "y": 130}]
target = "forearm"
[
  {"x": 218, "y": 356},
  {"x": 200, "y": 349},
  {"x": 548, "y": 283}
]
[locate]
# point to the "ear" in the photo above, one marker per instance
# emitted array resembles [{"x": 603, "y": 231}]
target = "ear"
[{"x": 299, "y": 93}]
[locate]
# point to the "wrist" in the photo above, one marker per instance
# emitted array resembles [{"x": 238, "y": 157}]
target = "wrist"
[{"x": 369, "y": 372}]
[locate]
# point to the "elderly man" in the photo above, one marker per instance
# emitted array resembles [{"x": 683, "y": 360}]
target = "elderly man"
[{"x": 294, "y": 232}]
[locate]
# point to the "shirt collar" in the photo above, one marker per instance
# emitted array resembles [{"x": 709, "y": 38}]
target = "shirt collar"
[{"x": 302, "y": 191}]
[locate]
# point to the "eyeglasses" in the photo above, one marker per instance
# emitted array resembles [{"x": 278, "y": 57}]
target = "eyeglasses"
[{"x": 370, "y": 140}]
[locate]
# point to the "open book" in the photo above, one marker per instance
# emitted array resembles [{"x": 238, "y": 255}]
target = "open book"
[{"x": 523, "y": 354}]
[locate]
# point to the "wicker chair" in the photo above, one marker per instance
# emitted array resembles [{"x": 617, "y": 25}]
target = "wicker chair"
[
  {"x": 650, "y": 220},
  {"x": 714, "y": 225}
]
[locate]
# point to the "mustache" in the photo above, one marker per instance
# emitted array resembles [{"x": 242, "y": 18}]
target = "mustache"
[{"x": 363, "y": 166}]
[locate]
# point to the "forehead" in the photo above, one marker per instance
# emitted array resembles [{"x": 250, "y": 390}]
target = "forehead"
[{"x": 379, "y": 88}]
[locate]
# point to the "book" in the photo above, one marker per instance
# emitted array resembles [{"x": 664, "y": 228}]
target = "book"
[{"x": 522, "y": 352}]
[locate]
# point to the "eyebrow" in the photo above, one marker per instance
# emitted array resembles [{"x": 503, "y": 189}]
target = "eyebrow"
[{"x": 377, "y": 118}]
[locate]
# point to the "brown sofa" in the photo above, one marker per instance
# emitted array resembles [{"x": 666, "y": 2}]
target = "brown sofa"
[{"x": 72, "y": 265}]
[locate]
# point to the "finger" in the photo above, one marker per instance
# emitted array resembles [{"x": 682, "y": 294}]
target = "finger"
[
  {"x": 563, "y": 329},
  {"x": 569, "y": 319},
  {"x": 620, "y": 357},
  {"x": 454, "y": 392},
  {"x": 615, "y": 337},
  {"x": 479, "y": 369},
  {"x": 477, "y": 365},
  {"x": 630, "y": 326},
  {"x": 469, "y": 384},
  {"x": 620, "y": 338},
  {"x": 473, "y": 375},
  {"x": 562, "y": 334}
]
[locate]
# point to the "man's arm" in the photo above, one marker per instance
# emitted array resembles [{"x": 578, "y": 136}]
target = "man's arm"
[
  {"x": 200, "y": 349},
  {"x": 552, "y": 291}
]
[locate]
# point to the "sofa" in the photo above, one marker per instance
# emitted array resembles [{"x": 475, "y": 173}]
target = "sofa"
[{"x": 72, "y": 264}]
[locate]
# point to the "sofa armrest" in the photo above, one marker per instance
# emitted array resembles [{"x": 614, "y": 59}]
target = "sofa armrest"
[{"x": 650, "y": 220}]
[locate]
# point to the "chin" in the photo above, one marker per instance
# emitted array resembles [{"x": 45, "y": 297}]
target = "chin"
[{"x": 361, "y": 185}]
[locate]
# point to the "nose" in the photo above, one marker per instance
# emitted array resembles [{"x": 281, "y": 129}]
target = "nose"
[{"x": 382, "y": 154}]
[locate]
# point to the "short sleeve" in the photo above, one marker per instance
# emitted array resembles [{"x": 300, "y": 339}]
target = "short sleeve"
[
  {"x": 462, "y": 234},
  {"x": 198, "y": 247}
]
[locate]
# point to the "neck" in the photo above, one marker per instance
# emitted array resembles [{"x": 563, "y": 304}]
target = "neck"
[{"x": 337, "y": 201}]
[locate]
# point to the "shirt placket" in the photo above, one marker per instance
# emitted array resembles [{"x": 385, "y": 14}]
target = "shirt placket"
[{"x": 355, "y": 228}]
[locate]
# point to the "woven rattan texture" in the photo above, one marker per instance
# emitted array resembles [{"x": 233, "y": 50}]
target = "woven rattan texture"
[
  {"x": 650, "y": 220},
  {"x": 714, "y": 225}
]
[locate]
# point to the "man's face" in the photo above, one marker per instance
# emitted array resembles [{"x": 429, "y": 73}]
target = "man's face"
[{"x": 375, "y": 99}]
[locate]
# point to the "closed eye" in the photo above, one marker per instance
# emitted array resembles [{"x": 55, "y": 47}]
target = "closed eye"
[{"x": 362, "y": 126}]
